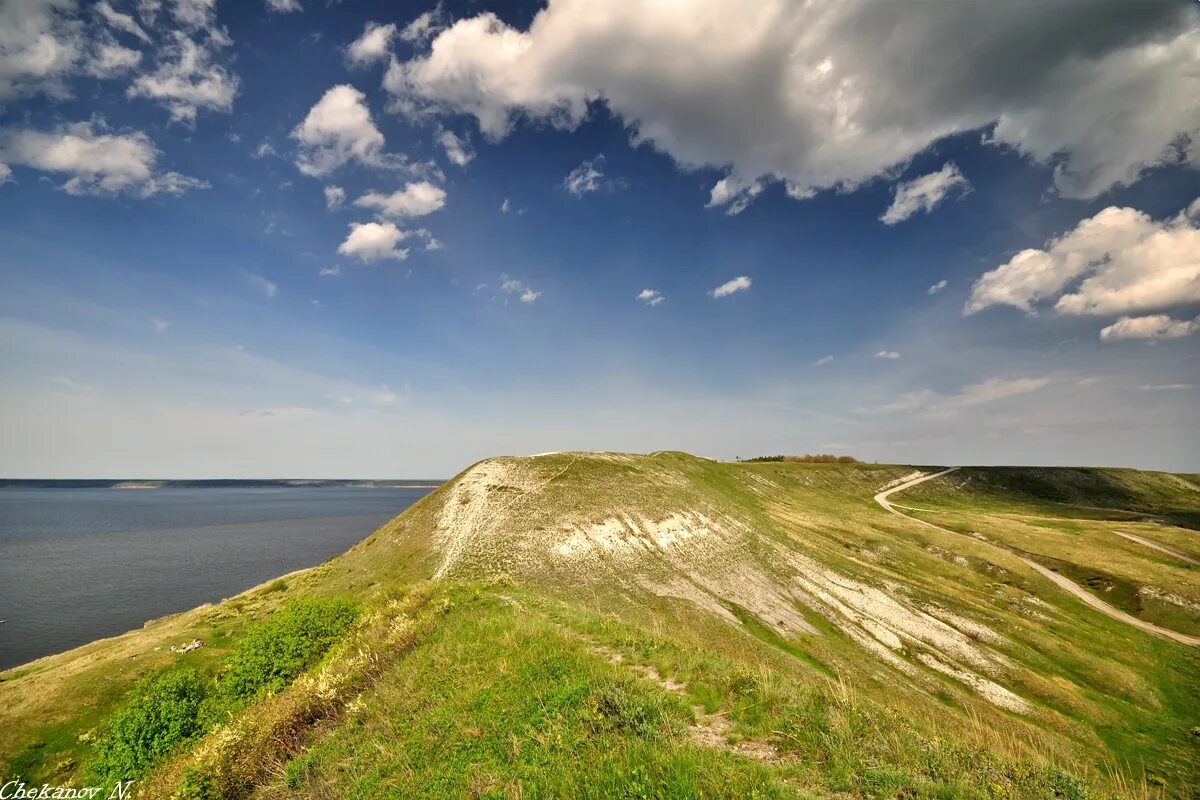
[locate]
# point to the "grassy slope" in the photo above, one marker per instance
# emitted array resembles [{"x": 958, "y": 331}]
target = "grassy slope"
[
  {"x": 1068, "y": 520},
  {"x": 754, "y": 604}
]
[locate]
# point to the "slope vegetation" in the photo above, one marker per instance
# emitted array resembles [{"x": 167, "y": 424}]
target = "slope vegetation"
[{"x": 601, "y": 624}]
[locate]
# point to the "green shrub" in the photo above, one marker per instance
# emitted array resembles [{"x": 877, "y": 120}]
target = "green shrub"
[
  {"x": 622, "y": 710},
  {"x": 159, "y": 713},
  {"x": 297, "y": 771},
  {"x": 198, "y": 785},
  {"x": 288, "y": 642}
]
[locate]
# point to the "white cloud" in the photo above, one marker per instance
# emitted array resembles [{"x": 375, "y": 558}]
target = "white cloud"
[
  {"x": 734, "y": 193},
  {"x": 1154, "y": 327},
  {"x": 1128, "y": 264},
  {"x": 738, "y": 284},
  {"x": 996, "y": 389},
  {"x": 457, "y": 151},
  {"x": 283, "y": 6},
  {"x": 832, "y": 93},
  {"x": 194, "y": 14},
  {"x": 159, "y": 325},
  {"x": 121, "y": 22},
  {"x": 924, "y": 193},
  {"x": 589, "y": 177},
  {"x": 424, "y": 26},
  {"x": 264, "y": 149},
  {"x": 935, "y": 404},
  {"x": 375, "y": 44},
  {"x": 937, "y": 287},
  {"x": 186, "y": 78},
  {"x": 386, "y": 397},
  {"x": 374, "y": 241},
  {"x": 504, "y": 206},
  {"x": 110, "y": 59},
  {"x": 148, "y": 10},
  {"x": 98, "y": 161},
  {"x": 822, "y": 361},
  {"x": 330, "y": 272},
  {"x": 337, "y": 130},
  {"x": 651, "y": 297},
  {"x": 887, "y": 355},
  {"x": 414, "y": 200},
  {"x": 524, "y": 293},
  {"x": 40, "y": 44},
  {"x": 5, "y": 174},
  {"x": 1166, "y": 387},
  {"x": 334, "y": 196}
]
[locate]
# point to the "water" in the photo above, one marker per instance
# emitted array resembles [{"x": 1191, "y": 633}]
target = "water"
[{"x": 81, "y": 564}]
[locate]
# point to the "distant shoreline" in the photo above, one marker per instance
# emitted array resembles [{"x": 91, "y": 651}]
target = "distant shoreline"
[{"x": 216, "y": 483}]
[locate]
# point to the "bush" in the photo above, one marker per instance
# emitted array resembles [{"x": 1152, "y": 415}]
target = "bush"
[
  {"x": 621, "y": 710},
  {"x": 159, "y": 713},
  {"x": 291, "y": 640},
  {"x": 170, "y": 708},
  {"x": 297, "y": 771}
]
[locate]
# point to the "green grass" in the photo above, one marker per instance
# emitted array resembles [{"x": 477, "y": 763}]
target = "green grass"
[{"x": 514, "y": 700}]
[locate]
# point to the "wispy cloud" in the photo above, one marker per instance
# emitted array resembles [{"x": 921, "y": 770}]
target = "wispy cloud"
[
  {"x": 590, "y": 177},
  {"x": 651, "y": 297},
  {"x": 458, "y": 152},
  {"x": 739, "y": 284},
  {"x": 523, "y": 292},
  {"x": 73, "y": 385},
  {"x": 268, "y": 287},
  {"x": 264, "y": 149},
  {"x": 935, "y": 404},
  {"x": 925, "y": 193}
]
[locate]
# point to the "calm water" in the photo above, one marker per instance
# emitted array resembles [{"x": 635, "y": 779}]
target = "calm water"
[{"x": 80, "y": 564}]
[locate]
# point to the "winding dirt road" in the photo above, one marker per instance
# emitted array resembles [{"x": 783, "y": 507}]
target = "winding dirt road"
[{"x": 1069, "y": 586}]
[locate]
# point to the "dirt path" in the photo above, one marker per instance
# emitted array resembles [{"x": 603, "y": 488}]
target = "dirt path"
[
  {"x": 1067, "y": 585},
  {"x": 1162, "y": 548},
  {"x": 709, "y": 730}
]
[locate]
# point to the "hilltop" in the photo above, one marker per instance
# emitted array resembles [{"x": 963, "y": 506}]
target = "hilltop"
[{"x": 590, "y": 624}]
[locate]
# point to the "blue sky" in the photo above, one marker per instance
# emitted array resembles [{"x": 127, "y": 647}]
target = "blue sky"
[{"x": 184, "y": 294}]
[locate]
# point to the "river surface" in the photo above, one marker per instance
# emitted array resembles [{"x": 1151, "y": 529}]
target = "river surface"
[{"x": 81, "y": 564}]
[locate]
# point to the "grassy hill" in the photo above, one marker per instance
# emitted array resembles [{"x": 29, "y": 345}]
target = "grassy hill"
[{"x": 588, "y": 624}]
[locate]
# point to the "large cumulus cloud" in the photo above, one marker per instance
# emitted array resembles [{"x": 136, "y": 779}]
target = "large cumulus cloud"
[{"x": 832, "y": 93}]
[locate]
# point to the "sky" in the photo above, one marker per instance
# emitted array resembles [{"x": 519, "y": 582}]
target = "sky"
[{"x": 310, "y": 238}]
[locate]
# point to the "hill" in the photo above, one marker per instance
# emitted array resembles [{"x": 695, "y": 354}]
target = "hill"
[{"x": 602, "y": 624}]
